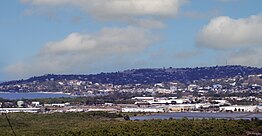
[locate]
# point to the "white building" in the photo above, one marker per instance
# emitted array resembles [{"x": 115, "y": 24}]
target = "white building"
[
  {"x": 239, "y": 108},
  {"x": 191, "y": 87},
  {"x": 35, "y": 104},
  {"x": 202, "y": 105},
  {"x": 222, "y": 102},
  {"x": 75, "y": 110},
  {"x": 60, "y": 104},
  {"x": 143, "y": 98},
  {"x": 102, "y": 109},
  {"x": 143, "y": 110},
  {"x": 169, "y": 101},
  {"x": 20, "y": 104},
  {"x": 8, "y": 110}
]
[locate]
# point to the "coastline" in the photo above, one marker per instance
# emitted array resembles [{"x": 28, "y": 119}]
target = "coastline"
[
  {"x": 32, "y": 95},
  {"x": 53, "y": 93},
  {"x": 36, "y": 92},
  {"x": 200, "y": 115}
]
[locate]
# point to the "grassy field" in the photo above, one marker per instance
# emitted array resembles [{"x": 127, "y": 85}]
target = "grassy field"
[{"x": 102, "y": 124}]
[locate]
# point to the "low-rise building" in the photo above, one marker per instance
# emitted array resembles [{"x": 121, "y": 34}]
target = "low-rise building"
[
  {"x": 20, "y": 104},
  {"x": 102, "y": 109},
  {"x": 151, "y": 109},
  {"x": 35, "y": 104},
  {"x": 181, "y": 107},
  {"x": 8, "y": 110},
  {"x": 143, "y": 98},
  {"x": 239, "y": 108},
  {"x": 169, "y": 101},
  {"x": 75, "y": 110}
]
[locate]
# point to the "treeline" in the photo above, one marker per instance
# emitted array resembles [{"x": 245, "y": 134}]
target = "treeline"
[
  {"x": 111, "y": 124},
  {"x": 116, "y": 98}
]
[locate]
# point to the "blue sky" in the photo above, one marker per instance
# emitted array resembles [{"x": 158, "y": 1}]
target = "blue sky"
[{"x": 92, "y": 36}]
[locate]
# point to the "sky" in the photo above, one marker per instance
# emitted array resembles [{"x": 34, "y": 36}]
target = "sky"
[{"x": 40, "y": 37}]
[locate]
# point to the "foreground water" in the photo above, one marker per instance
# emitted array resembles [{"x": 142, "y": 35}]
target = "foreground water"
[
  {"x": 14, "y": 96},
  {"x": 199, "y": 115}
]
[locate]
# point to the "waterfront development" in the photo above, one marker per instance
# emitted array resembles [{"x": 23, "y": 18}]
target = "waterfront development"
[
  {"x": 132, "y": 105},
  {"x": 237, "y": 92}
]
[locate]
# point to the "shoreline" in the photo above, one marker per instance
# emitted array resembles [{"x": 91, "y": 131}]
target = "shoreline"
[
  {"x": 35, "y": 92},
  {"x": 32, "y": 95},
  {"x": 54, "y": 93},
  {"x": 200, "y": 115}
]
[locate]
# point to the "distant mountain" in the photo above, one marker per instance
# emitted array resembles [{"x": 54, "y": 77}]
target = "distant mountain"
[{"x": 151, "y": 76}]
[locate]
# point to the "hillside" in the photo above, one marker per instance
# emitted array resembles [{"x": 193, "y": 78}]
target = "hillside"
[{"x": 150, "y": 76}]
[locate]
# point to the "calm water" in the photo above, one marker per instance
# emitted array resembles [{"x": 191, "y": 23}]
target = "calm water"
[
  {"x": 199, "y": 115},
  {"x": 14, "y": 96}
]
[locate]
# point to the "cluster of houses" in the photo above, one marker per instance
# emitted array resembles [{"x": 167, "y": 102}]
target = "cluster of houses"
[{"x": 237, "y": 84}]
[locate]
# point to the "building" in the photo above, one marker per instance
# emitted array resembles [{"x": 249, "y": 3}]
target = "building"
[
  {"x": 75, "y": 110},
  {"x": 143, "y": 98},
  {"x": 35, "y": 104},
  {"x": 240, "y": 108},
  {"x": 60, "y": 104},
  {"x": 151, "y": 109},
  {"x": 203, "y": 105},
  {"x": 181, "y": 107},
  {"x": 8, "y": 110},
  {"x": 20, "y": 104},
  {"x": 169, "y": 101},
  {"x": 102, "y": 110}
]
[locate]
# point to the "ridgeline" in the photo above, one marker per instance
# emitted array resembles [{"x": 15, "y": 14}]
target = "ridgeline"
[{"x": 151, "y": 76}]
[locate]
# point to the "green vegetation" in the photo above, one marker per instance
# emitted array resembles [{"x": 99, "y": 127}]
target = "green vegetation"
[
  {"x": 116, "y": 98},
  {"x": 101, "y": 123}
]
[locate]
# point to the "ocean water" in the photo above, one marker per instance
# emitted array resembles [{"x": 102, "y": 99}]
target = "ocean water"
[
  {"x": 31, "y": 95},
  {"x": 199, "y": 115}
]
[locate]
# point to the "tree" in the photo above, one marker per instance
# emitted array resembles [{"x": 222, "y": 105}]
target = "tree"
[{"x": 126, "y": 117}]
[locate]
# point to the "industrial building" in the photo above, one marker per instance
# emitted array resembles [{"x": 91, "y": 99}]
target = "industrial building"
[
  {"x": 8, "y": 110},
  {"x": 151, "y": 109},
  {"x": 240, "y": 108}
]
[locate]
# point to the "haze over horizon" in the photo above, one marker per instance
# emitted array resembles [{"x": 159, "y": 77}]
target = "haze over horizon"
[{"x": 90, "y": 36}]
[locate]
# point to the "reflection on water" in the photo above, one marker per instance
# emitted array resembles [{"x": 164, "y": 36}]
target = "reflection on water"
[
  {"x": 14, "y": 96},
  {"x": 199, "y": 115}
]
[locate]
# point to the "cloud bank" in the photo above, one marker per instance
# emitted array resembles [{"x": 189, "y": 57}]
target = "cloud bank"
[
  {"x": 241, "y": 37},
  {"x": 112, "y": 9},
  {"x": 114, "y": 47},
  {"x": 79, "y": 52},
  {"x": 225, "y": 32}
]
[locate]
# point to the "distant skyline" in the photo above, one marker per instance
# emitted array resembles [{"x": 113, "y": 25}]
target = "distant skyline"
[{"x": 91, "y": 36}]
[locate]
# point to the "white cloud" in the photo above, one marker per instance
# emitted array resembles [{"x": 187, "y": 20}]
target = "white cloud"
[
  {"x": 85, "y": 52},
  {"x": 118, "y": 8},
  {"x": 110, "y": 48},
  {"x": 239, "y": 40},
  {"x": 225, "y": 32}
]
